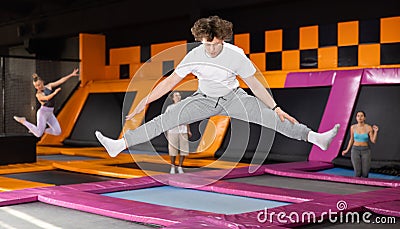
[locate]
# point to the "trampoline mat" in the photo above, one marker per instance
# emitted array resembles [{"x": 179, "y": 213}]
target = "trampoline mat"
[
  {"x": 41, "y": 215},
  {"x": 159, "y": 167},
  {"x": 58, "y": 177},
  {"x": 59, "y": 157},
  {"x": 197, "y": 200},
  {"x": 305, "y": 184}
]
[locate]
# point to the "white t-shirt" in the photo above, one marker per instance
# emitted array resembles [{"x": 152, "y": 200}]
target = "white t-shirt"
[
  {"x": 182, "y": 129},
  {"x": 216, "y": 75}
]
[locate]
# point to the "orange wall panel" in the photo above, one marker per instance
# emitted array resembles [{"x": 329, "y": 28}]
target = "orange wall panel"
[
  {"x": 348, "y": 33},
  {"x": 369, "y": 55},
  {"x": 243, "y": 41},
  {"x": 275, "y": 79},
  {"x": 213, "y": 136},
  {"x": 273, "y": 41},
  {"x": 390, "y": 30},
  {"x": 170, "y": 51},
  {"x": 125, "y": 55},
  {"x": 157, "y": 48},
  {"x": 133, "y": 68},
  {"x": 149, "y": 70},
  {"x": 309, "y": 37},
  {"x": 291, "y": 60},
  {"x": 327, "y": 57},
  {"x": 112, "y": 71},
  {"x": 92, "y": 52},
  {"x": 259, "y": 60}
]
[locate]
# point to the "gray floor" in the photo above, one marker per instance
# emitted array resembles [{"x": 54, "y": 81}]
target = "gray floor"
[
  {"x": 41, "y": 215},
  {"x": 59, "y": 157},
  {"x": 305, "y": 184}
]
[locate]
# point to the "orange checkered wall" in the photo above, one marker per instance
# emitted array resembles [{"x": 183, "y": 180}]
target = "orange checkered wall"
[
  {"x": 363, "y": 43},
  {"x": 366, "y": 43}
]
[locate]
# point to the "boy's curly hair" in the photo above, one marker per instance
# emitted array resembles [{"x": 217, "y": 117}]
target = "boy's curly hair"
[{"x": 211, "y": 27}]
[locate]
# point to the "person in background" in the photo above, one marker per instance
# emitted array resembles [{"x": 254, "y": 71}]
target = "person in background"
[
  {"x": 178, "y": 138},
  {"x": 45, "y": 116},
  {"x": 360, "y": 135}
]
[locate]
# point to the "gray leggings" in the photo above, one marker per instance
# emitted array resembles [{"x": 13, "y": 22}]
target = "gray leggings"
[
  {"x": 361, "y": 160},
  {"x": 237, "y": 104}
]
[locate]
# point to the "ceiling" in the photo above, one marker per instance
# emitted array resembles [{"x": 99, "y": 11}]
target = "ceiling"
[
  {"x": 19, "y": 11},
  {"x": 25, "y": 19}
]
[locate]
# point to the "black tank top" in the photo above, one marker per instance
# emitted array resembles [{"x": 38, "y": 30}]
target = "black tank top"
[{"x": 48, "y": 103}]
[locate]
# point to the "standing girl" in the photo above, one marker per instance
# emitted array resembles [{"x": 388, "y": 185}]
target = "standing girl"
[{"x": 360, "y": 134}]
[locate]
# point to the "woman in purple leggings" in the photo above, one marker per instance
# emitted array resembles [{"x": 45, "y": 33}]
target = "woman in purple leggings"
[{"x": 45, "y": 116}]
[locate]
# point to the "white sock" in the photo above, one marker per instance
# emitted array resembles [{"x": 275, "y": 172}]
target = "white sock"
[
  {"x": 113, "y": 147},
  {"x": 172, "y": 171},
  {"x": 323, "y": 140},
  {"x": 180, "y": 170},
  {"x": 20, "y": 119}
]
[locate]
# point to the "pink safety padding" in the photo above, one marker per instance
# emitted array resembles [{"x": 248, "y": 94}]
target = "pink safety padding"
[
  {"x": 230, "y": 173},
  {"x": 119, "y": 185},
  {"x": 301, "y": 165},
  {"x": 16, "y": 198},
  {"x": 390, "y": 208},
  {"x": 120, "y": 208},
  {"x": 200, "y": 222},
  {"x": 338, "y": 110},
  {"x": 309, "y": 79},
  {"x": 335, "y": 203},
  {"x": 219, "y": 222},
  {"x": 247, "y": 220},
  {"x": 28, "y": 195},
  {"x": 334, "y": 178},
  {"x": 254, "y": 191},
  {"x": 381, "y": 76}
]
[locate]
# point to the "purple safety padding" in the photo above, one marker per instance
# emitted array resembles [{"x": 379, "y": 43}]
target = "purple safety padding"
[
  {"x": 120, "y": 208},
  {"x": 338, "y": 110},
  {"x": 381, "y": 76},
  {"x": 390, "y": 208},
  {"x": 309, "y": 79}
]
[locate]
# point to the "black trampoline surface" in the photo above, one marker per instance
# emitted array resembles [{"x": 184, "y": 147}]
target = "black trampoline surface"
[
  {"x": 305, "y": 184},
  {"x": 97, "y": 108},
  {"x": 58, "y": 177},
  {"x": 41, "y": 215},
  {"x": 159, "y": 167},
  {"x": 65, "y": 158}
]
